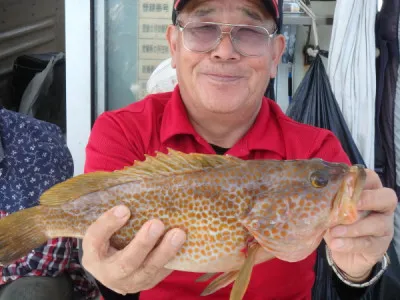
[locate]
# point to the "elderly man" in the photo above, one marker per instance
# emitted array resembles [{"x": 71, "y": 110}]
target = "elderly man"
[
  {"x": 33, "y": 157},
  {"x": 225, "y": 52}
]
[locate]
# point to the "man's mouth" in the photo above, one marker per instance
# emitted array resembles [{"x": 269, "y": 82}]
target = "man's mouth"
[{"x": 223, "y": 77}]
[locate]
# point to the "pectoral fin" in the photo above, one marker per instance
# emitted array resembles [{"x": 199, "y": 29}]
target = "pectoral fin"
[
  {"x": 242, "y": 281},
  {"x": 220, "y": 282},
  {"x": 205, "y": 277}
]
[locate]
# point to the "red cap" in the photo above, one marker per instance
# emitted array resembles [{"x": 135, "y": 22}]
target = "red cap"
[{"x": 270, "y": 5}]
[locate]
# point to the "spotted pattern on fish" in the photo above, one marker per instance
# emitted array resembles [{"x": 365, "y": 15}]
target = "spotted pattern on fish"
[{"x": 225, "y": 204}]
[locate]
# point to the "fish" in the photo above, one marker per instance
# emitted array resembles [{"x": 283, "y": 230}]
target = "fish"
[{"x": 236, "y": 213}]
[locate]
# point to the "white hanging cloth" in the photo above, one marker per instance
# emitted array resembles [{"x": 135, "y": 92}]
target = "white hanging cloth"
[{"x": 351, "y": 70}]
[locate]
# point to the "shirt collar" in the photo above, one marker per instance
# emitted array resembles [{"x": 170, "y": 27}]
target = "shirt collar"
[
  {"x": 175, "y": 119},
  {"x": 265, "y": 134}
]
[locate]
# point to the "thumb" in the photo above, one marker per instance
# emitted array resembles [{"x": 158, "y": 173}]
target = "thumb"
[
  {"x": 329, "y": 239},
  {"x": 96, "y": 241}
]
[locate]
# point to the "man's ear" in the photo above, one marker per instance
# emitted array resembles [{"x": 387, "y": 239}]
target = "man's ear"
[
  {"x": 278, "y": 48},
  {"x": 172, "y": 38}
]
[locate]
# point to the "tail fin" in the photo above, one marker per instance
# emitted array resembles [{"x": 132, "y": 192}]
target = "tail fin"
[{"x": 20, "y": 233}]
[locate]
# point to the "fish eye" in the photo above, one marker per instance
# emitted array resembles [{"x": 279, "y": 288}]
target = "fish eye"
[{"x": 319, "y": 179}]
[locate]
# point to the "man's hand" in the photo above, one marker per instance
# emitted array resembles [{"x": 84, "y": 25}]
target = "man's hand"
[
  {"x": 358, "y": 247},
  {"x": 137, "y": 267}
]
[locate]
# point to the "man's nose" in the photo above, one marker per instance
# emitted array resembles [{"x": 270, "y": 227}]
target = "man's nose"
[{"x": 225, "y": 50}]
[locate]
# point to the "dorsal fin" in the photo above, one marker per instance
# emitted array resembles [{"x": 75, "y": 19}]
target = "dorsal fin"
[
  {"x": 176, "y": 162},
  {"x": 173, "y": 163}
]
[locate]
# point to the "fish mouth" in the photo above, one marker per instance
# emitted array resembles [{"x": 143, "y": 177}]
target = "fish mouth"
[
  {"x": 348, "y": 195},
  {"x": 357, "y": 176},
  {"x": 360, "y": 175}
]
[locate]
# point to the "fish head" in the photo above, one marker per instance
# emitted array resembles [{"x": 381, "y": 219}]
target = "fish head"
[{"x": 302, "y": 198}]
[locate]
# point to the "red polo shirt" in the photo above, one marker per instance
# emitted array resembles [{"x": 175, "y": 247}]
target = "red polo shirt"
[{"x": 159, "y": 121}]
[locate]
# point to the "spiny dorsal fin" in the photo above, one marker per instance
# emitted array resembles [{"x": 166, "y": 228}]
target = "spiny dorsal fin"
[
  {"x": 176, "y": 162},
  {"x": 173, "y": 163}
]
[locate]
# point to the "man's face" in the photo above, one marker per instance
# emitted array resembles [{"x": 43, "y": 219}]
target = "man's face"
[{"x": 223, "y": 80}]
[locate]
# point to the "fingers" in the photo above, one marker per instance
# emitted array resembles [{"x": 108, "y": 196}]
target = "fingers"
[
  {"x": 132, "y": 257},
  {"x": 358, "y": 245},
  {"x": 143, "y": 248},
  {"x": 96, "y": 240},
  {"x": 375, "y": 225},
  {"x": 381, "y": 200},
  {"x": 372, "y": 181},
  {"x": 167, "y": 249},
  {"x": 375, "y": 197},
  {"x": 152, "y": 270},
  {"x": 140, "y": 265}
]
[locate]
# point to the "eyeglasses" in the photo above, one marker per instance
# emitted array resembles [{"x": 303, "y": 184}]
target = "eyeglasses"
[{"x": 248, "y": 40}]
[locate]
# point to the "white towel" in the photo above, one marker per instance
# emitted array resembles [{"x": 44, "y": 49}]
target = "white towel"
[{"x": 351, "y": 70}]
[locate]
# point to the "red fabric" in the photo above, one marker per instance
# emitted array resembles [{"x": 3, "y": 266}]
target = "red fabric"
[{"x": 159, "y": 121}]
